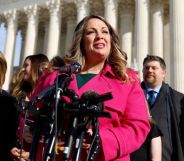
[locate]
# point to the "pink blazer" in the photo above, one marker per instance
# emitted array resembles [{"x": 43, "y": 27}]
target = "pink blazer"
[{"x": 127, "y": 129}]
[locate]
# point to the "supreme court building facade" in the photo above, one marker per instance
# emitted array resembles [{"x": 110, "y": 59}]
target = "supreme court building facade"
[{"x": 144, "y": 27}]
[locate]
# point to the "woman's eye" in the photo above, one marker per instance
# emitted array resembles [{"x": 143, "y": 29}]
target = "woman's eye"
[
  {"x": 105, "y": 32},
  {"x": 90, "y": 32}
]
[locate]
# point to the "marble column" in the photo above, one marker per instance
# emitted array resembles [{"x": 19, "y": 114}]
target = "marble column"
[
  {"x": 40, "y": 41},
  {"x": 11, "y": 17},
  {"x": 176, "y": 43},
  {"x": 46, "y": 31},
  {"x": 110, "y": 12},
  {"x": 54, "y": 28},
  {"x": 82, "y": 9},
  {"x": 126, "y": 29},
  {"x": 32, "y": 30},
  {"x": 141, "y": 32},
  {"x": 157, "y": 28},
  {"x": 23, "y": 35},
  {"x": 69, "y": 33},
  {"x": 166, "y": 37}
]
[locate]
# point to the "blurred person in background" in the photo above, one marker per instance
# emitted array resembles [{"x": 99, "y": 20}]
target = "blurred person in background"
[
  {"x": 22, "y": 86},
  {"x": 8, "y": 118},
  {"x": 166, "y": 107}
]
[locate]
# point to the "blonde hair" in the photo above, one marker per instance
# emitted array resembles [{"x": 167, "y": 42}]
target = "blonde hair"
[
  {"x": 16, "y": 83},
  {"x": 117, "y": 58},
  {"x": 3, "y": 69}
]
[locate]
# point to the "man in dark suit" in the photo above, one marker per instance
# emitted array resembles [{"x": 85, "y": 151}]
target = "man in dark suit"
[{"x": 166, "y": 108}]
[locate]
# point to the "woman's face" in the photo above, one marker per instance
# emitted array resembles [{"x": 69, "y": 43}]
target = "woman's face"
[
  {"x": 97, "y": 41},
  {"x": 27, "y": 69}
]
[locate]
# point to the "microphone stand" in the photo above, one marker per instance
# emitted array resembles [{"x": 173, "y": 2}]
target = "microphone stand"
[
  {"x": 38, "y": 128},
  {"x": 82, "y": 112},
  {"x": 79, "y": 142},
  {"x": 43, "y": 121},
  {"x": 62, "y": 82}
]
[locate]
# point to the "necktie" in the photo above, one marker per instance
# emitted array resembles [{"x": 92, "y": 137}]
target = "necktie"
[{"x": 151, "y": 98}]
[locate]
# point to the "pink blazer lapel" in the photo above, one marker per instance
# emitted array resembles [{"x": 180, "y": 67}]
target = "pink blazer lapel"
[{"x": 100, "y": 84}]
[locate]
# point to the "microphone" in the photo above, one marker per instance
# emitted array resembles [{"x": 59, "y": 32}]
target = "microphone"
[
  {"x": 47, "y": 93},
  {"x": 70, "y": 135},
  {"x": 72, "y": 68},
  {"x": 94, "y": 98},
  {"x": 50, "y": 91},
  {"x": 89, "y": 105}
]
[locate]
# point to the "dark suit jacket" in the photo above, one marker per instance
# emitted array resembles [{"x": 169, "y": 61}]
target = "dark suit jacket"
[
  {"x": 168, "y": 112},
  {"x": 8, "y": 125}
]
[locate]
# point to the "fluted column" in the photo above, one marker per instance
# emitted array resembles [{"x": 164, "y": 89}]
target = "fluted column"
[
  {"x": 54, "y": 28},
  {"x": 40, "y": 41},
  {"x": 157, "y": 27},
  {"x": 82, "y": 9},
  {"x": 32, "y": 30},
  {"x": 141, "y": 31},
  {"x": 177, "y": 42},
  {"x": 69, "y": 33},
  {"x": 22, "y": 47},
  {"x": 11, "y": 17},
  {"x": 166, "y": 49},
  {"x": 111, "y": 12},
  {"x": 126, "y": 29},
  {"x": 45, "y": 42}
]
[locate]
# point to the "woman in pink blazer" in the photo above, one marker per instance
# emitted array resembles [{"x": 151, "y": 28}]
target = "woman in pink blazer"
[{"x": 96, "y": 47}]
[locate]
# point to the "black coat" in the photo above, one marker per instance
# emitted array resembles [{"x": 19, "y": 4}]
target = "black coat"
[
  {"x": 168, "y": 112},
  {"x": 8, "y": 125}
]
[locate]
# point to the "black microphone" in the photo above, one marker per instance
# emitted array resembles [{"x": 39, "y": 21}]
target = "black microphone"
[
  {"x": 90, "y": 104},
  {"x": 47, "y": 93},
  {"x": 72, "y": 68},
  {"x": 70, "y": 135},
  {"x": 94, "y": 98}
]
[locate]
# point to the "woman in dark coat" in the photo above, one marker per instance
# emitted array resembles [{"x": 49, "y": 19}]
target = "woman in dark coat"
[{"x": 8, "y": 117}]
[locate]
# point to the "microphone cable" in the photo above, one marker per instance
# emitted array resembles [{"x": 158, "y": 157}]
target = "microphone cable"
[
  {"x": 22, "y": 134},
  {"x": 94, "y": 148}
]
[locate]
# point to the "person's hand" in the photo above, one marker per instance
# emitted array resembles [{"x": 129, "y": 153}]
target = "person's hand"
[
  {"x": 86, "y": 145},
  {"x": 28, "y": 137},
  {"x": 24, "y": 156},
  {"x": 17, "y": 154}
]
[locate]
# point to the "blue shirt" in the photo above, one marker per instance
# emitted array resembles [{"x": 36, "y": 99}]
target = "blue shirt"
[{"x": 156, "y": 91}]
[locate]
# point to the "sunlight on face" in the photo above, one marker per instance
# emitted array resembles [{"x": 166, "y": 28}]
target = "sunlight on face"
[
  {"x": 97, "y": 41},
  {"x": 153, "y": 74},
  {"x": 27, "y": 69}
]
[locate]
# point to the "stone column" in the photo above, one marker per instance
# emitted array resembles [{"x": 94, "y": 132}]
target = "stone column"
[
  {"x": 141, "y": 32},
  {"x": 46, "y": 31},
  {"x": 166, "y": 37},
  {"x": 82, "y": 9},
  {"x": 32, "y": 30},
  {"x": 40, "y": 41},
  {"x": 177, "y": 43},
  {"x": 54, "y": 28},
  {"x": 126, "y": 29},
  {"x": 111, "y": 12},
  {"x": 157, "y": 27},
  {"x": 11, "y": 17},
  {"x": 69, "y": 33},
  {"x": 23, "y": 35}
]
